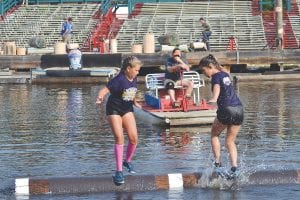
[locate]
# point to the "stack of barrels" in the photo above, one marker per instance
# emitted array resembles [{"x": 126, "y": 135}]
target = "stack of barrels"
[
  {"x": 10, "y": 48},
  {"x": 148, "y": 45}
]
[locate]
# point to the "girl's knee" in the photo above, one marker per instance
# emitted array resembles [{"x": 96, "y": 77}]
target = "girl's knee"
[
  {"x": 230, "y": 143},
  {"x": 133, "y": 141},
  {"x": 133, "y": 138}
]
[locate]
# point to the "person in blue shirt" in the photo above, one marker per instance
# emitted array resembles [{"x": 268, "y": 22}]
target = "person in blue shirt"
[
  {"x": 67, "y": 30},
  {"x": 230, "y": 112},
  {"x": 119, "y": 111},
  {"x": 175, "y": 66}
]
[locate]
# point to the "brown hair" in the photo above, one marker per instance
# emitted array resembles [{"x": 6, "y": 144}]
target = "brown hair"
[
  {"x": 175, "y": 49},
  {"x": 207, "y": 60}
]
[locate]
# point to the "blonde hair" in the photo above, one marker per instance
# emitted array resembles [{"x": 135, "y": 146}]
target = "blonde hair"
[{"x": 130, "y": 61}]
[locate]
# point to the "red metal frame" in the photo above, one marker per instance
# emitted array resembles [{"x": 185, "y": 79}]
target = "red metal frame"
[{"x": 186, "y": 104}]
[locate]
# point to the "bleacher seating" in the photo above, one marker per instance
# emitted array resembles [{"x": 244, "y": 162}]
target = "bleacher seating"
[
  {"x": 45, "y": 20},
  {"x": 227, "y": 19}
]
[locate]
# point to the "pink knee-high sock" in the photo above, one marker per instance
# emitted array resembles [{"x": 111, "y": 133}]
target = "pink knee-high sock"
[
  {"x": 119, "y": 156},
  {"x": 130, "y": 151}
]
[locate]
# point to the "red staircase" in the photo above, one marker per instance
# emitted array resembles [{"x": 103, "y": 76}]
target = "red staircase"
[
  {"x": 255, "y": 7},
  {"x": 269, "y": 22},
  {"x": 11, "y": 10},
  {"x": 137, "y": 10},
  {"x": 290, "y": 40},
  {"x": 107, "y": 28}
]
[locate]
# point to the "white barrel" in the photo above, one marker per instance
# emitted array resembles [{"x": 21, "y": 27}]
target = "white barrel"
[
  {"x": 21, "y": 51},
  {"x": 60, "y": 48},
  {"x": 183, "y": 48},
  {"x": 10, "y": 48},
  {"x": 137, "y": 48},
  {"x": 198, "y": 45},
  {"x": 149, "y": 45},
  {"x": 166, "y": 48},
  {"x": 113, "y": 46}
]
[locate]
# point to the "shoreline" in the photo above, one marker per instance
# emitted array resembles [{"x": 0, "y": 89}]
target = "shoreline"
[{"x": 25, "y": 78}]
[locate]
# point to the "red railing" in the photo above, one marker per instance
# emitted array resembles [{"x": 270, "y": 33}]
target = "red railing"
[
  {"x": 11, "y": 10},
  {"x": 255, "y": 7},
  {"x": 289, "y": 40},
  {"x": 107, "y": 28},
  {"x": 269, "y": 21}
]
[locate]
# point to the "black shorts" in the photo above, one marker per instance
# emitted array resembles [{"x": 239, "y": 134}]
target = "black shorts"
[
  {"x": 231, "y": 115},
  {"x": 117, "y": 109}
]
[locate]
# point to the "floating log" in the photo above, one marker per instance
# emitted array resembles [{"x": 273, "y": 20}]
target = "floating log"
[{"x": 65, "y": 185}]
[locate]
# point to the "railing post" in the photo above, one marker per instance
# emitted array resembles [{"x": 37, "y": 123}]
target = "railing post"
[
  {"x": 260, "y": 6},
  {"x": 130, "y": 6},
  {"x": 1, "y": 8},
  {"x": 288, "y": 5}
]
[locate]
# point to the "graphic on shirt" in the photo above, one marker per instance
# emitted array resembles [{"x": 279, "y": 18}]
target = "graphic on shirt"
[
  {"x": 226, "y": 81},
  {"x": 129, "y": 94}
]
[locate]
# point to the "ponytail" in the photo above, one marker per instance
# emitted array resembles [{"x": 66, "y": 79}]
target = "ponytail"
[{"x": 210, "y": 59}]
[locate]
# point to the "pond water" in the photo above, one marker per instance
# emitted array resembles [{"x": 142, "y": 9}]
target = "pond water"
[{"x": 56, "y": 130}]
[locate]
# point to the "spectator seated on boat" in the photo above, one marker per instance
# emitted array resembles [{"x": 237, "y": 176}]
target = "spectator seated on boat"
[
  {"x": 173, "y": 76},
  {"x": 74, "y": 55}
]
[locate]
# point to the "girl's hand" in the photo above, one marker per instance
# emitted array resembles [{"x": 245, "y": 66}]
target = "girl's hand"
[
  {"x": 99, "y": 100},
  {"x": 212, "y": 101}
]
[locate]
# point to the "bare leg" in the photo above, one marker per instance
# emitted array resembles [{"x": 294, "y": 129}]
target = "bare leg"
[
  {"x": 189, "y": 87},
  {"x": 115, "y": 122},
  {"x": 130, "y": 125},
  {"x": 171, "y": 92},
  {"x": 216, "y": 130},
  {"x": 232, "y": 132}
]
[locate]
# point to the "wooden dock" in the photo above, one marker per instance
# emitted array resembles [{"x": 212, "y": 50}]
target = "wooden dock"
[{"x": 154, "y": 60}]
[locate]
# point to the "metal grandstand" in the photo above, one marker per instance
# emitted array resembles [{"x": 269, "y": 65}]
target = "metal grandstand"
[
  {"x": 45, "y": 20},
  {"x": 228, "y": 19}
]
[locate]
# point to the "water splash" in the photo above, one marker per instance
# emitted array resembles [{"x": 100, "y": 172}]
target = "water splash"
[{"x": 210, "y": 179}]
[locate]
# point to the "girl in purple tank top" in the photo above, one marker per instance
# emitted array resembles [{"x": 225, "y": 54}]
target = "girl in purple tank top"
[
  {"x": 230, "y": 113},
  {"x": 119, "y": 111}
]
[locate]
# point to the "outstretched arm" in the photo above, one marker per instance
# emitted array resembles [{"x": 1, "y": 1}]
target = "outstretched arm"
[{"x": 101, "y": 95}]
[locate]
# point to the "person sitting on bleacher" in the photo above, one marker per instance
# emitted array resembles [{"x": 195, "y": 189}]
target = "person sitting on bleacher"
[{"x": 173, "y": 76}]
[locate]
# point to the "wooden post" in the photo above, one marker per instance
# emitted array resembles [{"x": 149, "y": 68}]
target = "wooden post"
[{"x": 279, "y": 25}]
